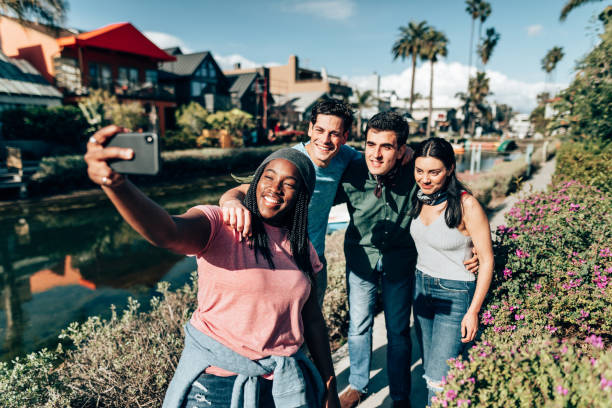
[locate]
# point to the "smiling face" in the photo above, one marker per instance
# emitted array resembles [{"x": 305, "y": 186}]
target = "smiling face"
[
  {"x": 327, "y": 134},
  {"x": 430, "y": 174},
  {"x": 382, "y": 151},
  {"x": 277, "y": 190}
]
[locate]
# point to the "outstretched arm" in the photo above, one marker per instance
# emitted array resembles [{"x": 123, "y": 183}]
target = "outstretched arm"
[
  {"x": 477, "y": 225},
  {"x": 315, "y": 334},
  {"x": 235, "y": 213},
  {"x": 186, "y": 234}
]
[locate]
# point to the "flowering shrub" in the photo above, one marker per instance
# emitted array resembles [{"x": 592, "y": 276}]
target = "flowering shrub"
[
  {"x": 543, "y": 372},
  {"x": 588, "y": 162},
  {"x": 547, "y": 322}
]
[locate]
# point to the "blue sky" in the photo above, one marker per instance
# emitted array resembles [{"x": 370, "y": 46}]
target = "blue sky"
[{"x": 353, "y": 38}]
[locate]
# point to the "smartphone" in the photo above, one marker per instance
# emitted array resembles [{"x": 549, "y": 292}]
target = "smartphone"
[{"x": 146, "y": 153}]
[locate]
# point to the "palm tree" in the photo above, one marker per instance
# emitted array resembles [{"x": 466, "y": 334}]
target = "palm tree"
[
  {"x": 408, "y": 45},
  {"x": 473, "y": 9},
  {"x": 484, "y": 11},
  {"x": 479, "y": 88},
  {"x": 487, "y": 45},
  {"x": 550, "y": 60},
  {"x": 363, "y": 100},
  {"x": 46, "y": 11},
  {"x": 571, "y": 5},
  {"x": 434, "y": 46}
]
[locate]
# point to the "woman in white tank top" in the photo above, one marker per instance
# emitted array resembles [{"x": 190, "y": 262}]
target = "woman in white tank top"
[{"x": 447, "y": 223}]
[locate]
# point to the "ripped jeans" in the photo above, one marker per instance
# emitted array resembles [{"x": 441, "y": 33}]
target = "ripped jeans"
[
  {"x": 211, "y": 391},
  {"x": 439, "y": 306}
]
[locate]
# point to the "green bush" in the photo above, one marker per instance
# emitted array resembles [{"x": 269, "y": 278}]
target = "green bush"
[
  {"x": 545, "y": 372},
  {"x": 588, "y": 162},
  {"x": 178, "y": 140},
  {"x": 547, "y": 322},
  {"x": 64, "y": 125}
]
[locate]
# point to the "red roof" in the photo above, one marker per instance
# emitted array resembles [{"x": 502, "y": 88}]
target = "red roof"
[{"x": 122, "y": 37}]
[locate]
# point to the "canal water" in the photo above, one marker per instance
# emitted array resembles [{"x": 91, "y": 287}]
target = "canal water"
[{"x": 65, "y": 263}]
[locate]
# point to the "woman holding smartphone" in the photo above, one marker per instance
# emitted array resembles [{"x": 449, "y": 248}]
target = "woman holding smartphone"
[
  {"x": 256, "y": 305},
  {"x": 448, "y": 222}
]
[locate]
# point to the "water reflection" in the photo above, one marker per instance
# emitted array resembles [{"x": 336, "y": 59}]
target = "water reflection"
[{"x": 66, "y": 265}]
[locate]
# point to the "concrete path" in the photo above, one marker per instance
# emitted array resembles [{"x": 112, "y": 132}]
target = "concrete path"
[{"x": 378, "y": 387}]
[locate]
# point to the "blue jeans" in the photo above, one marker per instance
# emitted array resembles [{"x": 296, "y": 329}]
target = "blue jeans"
[
  {"x": 439, "y": 306},
  {"x": 211, "y": 391},
  {"x": 396, "y": 299}
]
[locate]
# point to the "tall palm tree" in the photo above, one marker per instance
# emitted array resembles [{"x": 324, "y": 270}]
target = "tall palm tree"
[
  {"x": 362, "y": 100},
  {"x": 571, "y": 5},
  {"x": 473, "y": 9},
  {"x": 46, "y": 11},
  {"x": 408, "y": 45},
  {"x": 484, "y": 11},
  {"x": 488, "y": 45},
  {"x": 479, "y": 88},
  {"x": 551, "y": 59},
  {"x": 434, "y": 46}
]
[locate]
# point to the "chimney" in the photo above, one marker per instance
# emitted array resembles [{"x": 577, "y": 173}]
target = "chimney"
[{"x": 237, "y": 65}]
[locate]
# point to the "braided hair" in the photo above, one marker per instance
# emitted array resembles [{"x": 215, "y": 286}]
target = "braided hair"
[{"x": 296, "y": 222}]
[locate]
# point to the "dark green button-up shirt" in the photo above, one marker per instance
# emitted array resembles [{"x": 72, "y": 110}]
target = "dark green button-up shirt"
[{"x": 379, "y": 228}]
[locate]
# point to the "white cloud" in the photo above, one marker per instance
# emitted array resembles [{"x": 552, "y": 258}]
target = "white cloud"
[
  {"x": 450, "y": 78},
  {"x": 165, "y": 40},
  {"x": 534, "y": 30},
  {"x": 330, "y": 9},
  {"x": 226, "y": 62}
]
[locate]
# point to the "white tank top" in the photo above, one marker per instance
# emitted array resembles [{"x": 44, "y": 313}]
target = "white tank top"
[{"x": 441, "y": 249}]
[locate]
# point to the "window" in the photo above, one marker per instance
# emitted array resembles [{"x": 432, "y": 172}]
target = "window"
[
  {"x": 151, "y": 77},
  {"x": 134, "y": 76},
  {"x": 93, "y": 75},
  {"x": 197, "y": 88},
  {"x": 201, "y": 71},
  {"x": 211, "y": 70},
  {"x": 122, "y": 79},
  {"x": 106, "y": 77}
]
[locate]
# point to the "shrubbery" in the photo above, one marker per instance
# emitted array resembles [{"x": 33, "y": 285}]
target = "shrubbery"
[
  {"x": 588, "y": 162},
  {"x": 549, "y": 310},
  {"x": 63, "y": 125}
]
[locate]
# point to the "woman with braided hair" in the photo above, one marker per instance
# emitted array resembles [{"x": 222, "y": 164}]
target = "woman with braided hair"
[{"x": 256, "y": 304}]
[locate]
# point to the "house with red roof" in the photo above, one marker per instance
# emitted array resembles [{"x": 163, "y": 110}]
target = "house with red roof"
[{"x": 117, "y": 58}]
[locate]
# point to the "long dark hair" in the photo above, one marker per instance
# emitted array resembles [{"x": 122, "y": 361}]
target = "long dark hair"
[
  {"x": 440, "y": 149},
  {"x": 296, "y": 222}
]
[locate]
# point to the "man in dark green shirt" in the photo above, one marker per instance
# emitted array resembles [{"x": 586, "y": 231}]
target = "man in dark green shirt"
[{"x": 379, "y": 252}]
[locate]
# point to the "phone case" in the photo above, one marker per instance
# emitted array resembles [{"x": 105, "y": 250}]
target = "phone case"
[{"x": 146, "y": 153}]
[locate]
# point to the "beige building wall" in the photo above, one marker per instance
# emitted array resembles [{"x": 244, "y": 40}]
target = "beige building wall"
[{"x": 38, "y": 48}]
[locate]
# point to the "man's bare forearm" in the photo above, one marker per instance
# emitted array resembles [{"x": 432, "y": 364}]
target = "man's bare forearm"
[{"x": 236, "y": 193}]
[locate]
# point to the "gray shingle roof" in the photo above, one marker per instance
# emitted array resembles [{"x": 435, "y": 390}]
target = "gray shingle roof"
[
  {"x": 185, "y": 64},
  {"x": 19, "y": 77},
  {"x": 241, "y": 82}
]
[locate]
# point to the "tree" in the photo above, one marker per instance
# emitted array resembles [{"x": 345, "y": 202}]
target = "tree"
[
  {"x": 362, "y": 100},
  {"x": 408, "y": 45},
  {"x": 479, "y": 88},
  {"x": 484, "y": 11},
  {"x": 434, "y": 46},
  {"x": 571, "y": 5},
  {"x": 551, "y": 59},
  {"x": 487, "y": 45},
  {"x": 46, "y": 11},
  {"x": 473, "y": 9}
]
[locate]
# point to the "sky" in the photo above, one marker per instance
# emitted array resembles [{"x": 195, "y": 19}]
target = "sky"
[{"x": 352, "y": 39}]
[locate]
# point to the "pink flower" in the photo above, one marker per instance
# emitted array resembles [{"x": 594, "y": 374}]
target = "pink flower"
[
  {"x": 459, "y": 365},
  {"x": 487, "y": 318},
  {"x": 472, "y": 380},
  {"x": 522, "y": 254},
  {"x": 595, "y": 341},
  {"x": 551, "y": 329},
  {"x": 584, "y": 314},
  {"x": 460, "y": 402},
  {"x": 537, "y": 287},
  {"x": 604, "y": 383},
  {"x": 561, "y": 390},
  {"x": 575, "y": 207},
  {"x": 605, "y": 252},
  {"x": 519, "y": 317},
  {"x": 451, "y": 394},
  {"x": 507, "y": 273}
]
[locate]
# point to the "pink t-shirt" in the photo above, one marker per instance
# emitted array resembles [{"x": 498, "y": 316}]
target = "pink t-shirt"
[{"x": 249, "y": 308}]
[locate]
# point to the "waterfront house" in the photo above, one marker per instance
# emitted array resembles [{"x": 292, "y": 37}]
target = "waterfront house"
[
  {"x": 117, "y": 57},
  {"x": 196, "y": 77}
]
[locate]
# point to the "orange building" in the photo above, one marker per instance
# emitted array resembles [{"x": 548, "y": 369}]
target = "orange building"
[{"x": 117, "y": 57}]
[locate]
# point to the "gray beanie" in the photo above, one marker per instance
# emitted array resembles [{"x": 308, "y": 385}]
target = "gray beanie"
[{"x": 299, "y": 160}]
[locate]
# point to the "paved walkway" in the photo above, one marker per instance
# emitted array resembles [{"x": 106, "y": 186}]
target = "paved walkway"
[{"x": 378, "y": 388}]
